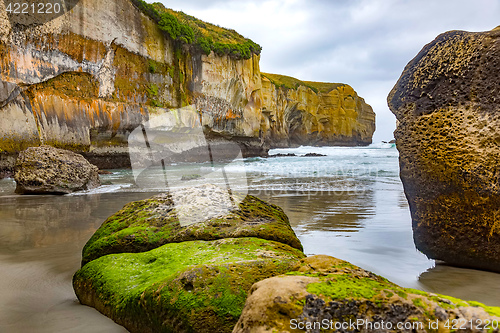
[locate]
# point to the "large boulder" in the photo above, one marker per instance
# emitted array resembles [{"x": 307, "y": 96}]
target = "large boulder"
[
  {"x": 195, "y": 286},
  {"x": 151, "y": 273},
  {"x": 48, "y": 170},
  {"x": 147, "y": 224},
  {"x": 325, "y": 294},
  {"x": 446, "y": 104}
]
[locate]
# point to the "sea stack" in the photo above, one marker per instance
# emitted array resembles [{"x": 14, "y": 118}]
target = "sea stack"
[{"x": 447, "y": 106}]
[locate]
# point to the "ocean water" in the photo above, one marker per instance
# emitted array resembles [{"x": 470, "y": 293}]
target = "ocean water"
[{"x": 349, "y": 204}]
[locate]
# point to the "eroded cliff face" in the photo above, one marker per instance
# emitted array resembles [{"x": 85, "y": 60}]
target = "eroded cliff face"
[
  {"x": 315, "y": 113},
  {"x": 85, "y": 80},
  {"x": 228, "y": 95}
]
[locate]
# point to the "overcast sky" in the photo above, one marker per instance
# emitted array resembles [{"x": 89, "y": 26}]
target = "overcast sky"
[{"x": 364, "y": 43}]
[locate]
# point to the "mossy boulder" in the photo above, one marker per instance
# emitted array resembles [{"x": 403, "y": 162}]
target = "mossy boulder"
[
  {"x": 49, "y": 170},
  {"x": 147, "y": 224},
  {"x": 449, "y": 143},
  {"x": 194, "y": 286},
  {"x": 323, "y": 293}
]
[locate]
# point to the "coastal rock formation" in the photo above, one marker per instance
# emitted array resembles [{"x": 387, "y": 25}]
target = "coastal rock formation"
[
  {"x": 147, "y": 224},
  {"x": 191, "y": 278},
  {"x": 323, "y": 293},
  {"x": 84, "y": 80},
  {"x": 314, "y": 113},
  {"x": 446, "y": 104},
  {"x": 48, "y": 170},
  {"x": 194, "y": 286}
]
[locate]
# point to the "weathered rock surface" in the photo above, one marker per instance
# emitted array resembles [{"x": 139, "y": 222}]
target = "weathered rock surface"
[
  {"x": 324, "y": 293},
  {"x": 192, "y": 278},
  {"x": 446, "y": 104},
  {"x": 86, "y": 79},
  {"x": 314, "y": 113},
  {"x": 7, "y": 164},
  {"x": 147, "y": 224},
  {"x": 48, "y": 170},
  {"x": 313, "y": 155}
]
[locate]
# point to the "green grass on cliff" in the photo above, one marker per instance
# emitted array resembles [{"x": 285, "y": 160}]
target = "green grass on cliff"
[
  {"x": 324, "y": 87},
  {"x": 207, "y": 37},
  {"x": 289, "y": 82}
]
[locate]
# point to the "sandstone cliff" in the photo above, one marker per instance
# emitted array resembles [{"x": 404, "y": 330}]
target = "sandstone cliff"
[
  {"x": 83, "y": 81},
  {"x": 314, "y": 113},
  {"x": 446, "y": 103}
]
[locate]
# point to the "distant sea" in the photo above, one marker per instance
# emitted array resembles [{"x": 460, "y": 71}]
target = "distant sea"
[{"x": 348, "y": 204}]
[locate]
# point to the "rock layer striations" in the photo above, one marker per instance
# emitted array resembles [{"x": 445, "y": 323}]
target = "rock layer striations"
[{"x": 314, "y": 113}]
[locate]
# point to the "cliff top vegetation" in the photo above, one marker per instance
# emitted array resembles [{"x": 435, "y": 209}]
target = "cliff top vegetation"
[
  {"x": 208, "y": 37},
  {"x": 289, "y": 82},
  {"x": 324, "y": 87}
]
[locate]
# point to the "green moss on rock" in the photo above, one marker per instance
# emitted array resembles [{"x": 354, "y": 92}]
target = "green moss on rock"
[
  {"x": 288, "y": 82},
  {"x": 324, "y": 288},
  {"x": 195, "y": 286},
  {"x": 79, "y": 85},
  {"x": 342, "y": 287},
  {"x": 144, "y": 225}
]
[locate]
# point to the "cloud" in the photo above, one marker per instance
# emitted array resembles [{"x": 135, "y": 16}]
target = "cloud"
[{"x": 365, "y": 43}]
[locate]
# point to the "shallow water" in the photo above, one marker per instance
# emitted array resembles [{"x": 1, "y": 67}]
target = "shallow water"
[
  {"x": 349, "y": 204},
  {"x": 41, "y": 239}
]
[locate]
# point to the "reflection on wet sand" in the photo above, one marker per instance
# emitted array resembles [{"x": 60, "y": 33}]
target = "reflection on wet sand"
[
  {"x": 326, "y": 211},
  {"x": 41, "y": 239},
  {"x": 370, "y": 228},
  {"x": 467, "y": 284},
  {"x": 36, "y": 222}
]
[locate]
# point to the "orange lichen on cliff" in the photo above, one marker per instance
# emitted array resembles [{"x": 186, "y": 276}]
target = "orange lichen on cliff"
[{"x": 231, "y": 115}]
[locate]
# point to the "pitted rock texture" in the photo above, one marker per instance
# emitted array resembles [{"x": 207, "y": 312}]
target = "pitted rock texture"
[
  {"x": 48, "y": 170},
  {"x": 325, "y": 294},
  {"x": 446, "y": 104}
]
